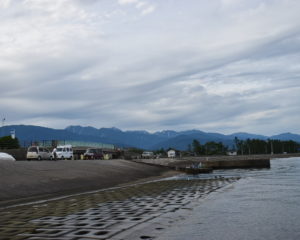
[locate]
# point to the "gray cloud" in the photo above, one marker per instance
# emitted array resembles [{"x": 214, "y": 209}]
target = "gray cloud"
[{"x": 222, "y": 65}]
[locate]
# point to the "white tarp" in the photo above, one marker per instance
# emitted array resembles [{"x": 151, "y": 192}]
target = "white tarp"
[{"x": 5, "y": 156}]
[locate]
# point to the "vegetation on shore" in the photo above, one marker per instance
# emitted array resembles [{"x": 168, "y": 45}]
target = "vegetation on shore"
[{"x": 258, "y": 146}]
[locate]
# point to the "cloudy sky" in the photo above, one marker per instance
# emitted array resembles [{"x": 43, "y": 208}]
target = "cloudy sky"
[{"x": 220, "y": 66}]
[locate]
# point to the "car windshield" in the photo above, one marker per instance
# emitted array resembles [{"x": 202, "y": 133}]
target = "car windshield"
[
  {"x": 59, "y": 149},
  {"x": 32, "y": 149}
]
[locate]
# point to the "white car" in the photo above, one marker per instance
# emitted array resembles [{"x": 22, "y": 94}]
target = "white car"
[
  {"x": 6, "y": 157},
  {"x": 63, "y": 152},
  {"x": 38, "y": 153}
]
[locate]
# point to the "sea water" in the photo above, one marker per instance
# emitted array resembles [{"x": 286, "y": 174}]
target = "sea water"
[{"x": 263, "y": 204}]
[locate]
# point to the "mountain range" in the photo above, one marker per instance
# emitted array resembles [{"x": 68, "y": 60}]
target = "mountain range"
[{"x": 139, "y": 139}]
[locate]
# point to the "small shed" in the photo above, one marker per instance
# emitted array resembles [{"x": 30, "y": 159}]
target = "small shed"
[
  {"x": 171, "y": 153},
  {"x": 232, "y": 153}
]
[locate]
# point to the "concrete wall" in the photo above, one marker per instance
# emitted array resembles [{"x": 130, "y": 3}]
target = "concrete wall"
[
  {"x": 27, "y": 179},
  {"x": 240, "y": 161},
  {"x": 261, "y": 163},
  {"x": 18, "y": 154}
]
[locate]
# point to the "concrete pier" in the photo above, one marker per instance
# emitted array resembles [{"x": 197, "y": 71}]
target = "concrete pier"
[
  {"x": 225, "y": 164},
  {"x": 217, "y": 162}
]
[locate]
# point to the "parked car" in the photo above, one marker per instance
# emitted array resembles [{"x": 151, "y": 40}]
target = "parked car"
[
  {"x": 147, "y": 155},
  {"x": 39, "y": 153},
  {"x": 6, "y": 157},
  {"x": 63, "y": 152},
  {"x": 93, "y": 153}
]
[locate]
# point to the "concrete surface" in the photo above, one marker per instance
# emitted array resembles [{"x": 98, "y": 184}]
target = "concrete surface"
[
  {"x": 18, "y": 154},
  {"x": 22, "y": 180},
  {"x": 218, "y": 162},
  {"x": 223, "y": 164},
  {"x": 109, "y": 214}
]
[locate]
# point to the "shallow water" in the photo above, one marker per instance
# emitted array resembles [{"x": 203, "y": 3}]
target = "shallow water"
[{"x": 264, "y": 204}]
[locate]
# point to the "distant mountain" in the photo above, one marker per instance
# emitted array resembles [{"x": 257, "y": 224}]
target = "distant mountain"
[
  {"x": 244, "y": 136},
  {"x": 287, "y": 137},
  {"x": 167, "y": 134},
  {"x": 26, "y": 133},
  {"x": 183, "y": 139},
  {"x": 139, "y": 139},
  {"x": 83, "y": 130},
  {"x": 29, "y": 132}
]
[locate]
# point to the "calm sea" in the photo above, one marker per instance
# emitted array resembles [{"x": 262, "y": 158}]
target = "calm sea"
[{"x": 264, "y": 204}]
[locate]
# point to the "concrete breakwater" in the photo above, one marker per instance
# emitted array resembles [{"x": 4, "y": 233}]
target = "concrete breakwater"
[
  {"x": 218, "y": 162},
  {"x": 23, "y": 181},
  {"x": 132, "y": 212},
  {"x": 234, "y": 163}
]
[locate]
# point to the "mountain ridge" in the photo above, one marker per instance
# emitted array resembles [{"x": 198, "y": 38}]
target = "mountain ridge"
[{"x": 138, "y": 139}]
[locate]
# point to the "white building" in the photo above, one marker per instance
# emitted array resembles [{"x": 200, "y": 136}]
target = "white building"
[
  {"x": 232, "y": 153},
  {"x": 171, "y": 153}
]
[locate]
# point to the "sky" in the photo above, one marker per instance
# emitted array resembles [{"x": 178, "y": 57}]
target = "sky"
[{"x": 218, "y": 66}]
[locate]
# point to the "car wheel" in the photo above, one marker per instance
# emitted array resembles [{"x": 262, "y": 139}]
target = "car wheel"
[
  {"x": 39, "y": 158},
  {"x": 62, "y": 158},
  {"x": 51, "y": 158}
]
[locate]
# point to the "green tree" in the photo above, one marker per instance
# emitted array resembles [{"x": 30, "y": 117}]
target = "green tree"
[
  {"x": 239, "y": 144},
  {"x": 7, "y": 142},
  {"x": 136, "y": 150},
  {"x": 160, "y": 151},
  {"x": 196, "y": 146},
  {"x": 215, "y": 148}
]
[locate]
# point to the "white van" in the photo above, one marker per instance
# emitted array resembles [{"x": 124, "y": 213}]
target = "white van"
[{"x": 63, "y": 152}]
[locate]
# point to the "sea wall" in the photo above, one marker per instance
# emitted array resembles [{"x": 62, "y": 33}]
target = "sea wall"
[
  {"x": 31, "y": 179},
  {"x": 217, "y": 162},
  {"x": 223, "y": 164},
  {"x": 18, "y": 154}
]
